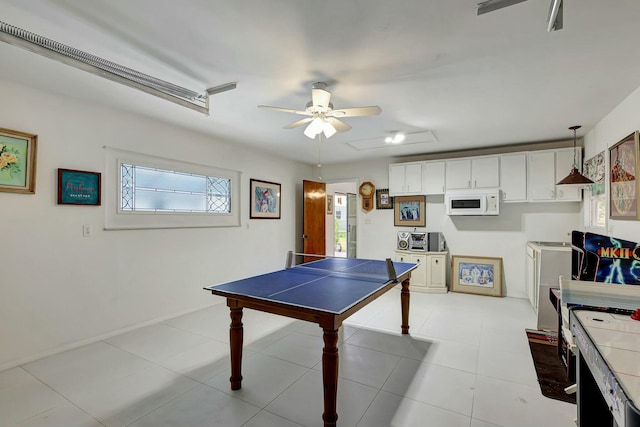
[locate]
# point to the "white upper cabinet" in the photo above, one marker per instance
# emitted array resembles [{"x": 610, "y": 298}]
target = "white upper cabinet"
[
  {"x": 513, "y": 177},
  {"x": 458, "y": 174},
  {"x": 485, "y": 172},
  {"x": 405, "y": 179},
  {"x": 476, "y": 172},
  {"x": 548, "y": 167},
  {"x": 542, "y": 175},
  {"x": 434, "y": 177}
]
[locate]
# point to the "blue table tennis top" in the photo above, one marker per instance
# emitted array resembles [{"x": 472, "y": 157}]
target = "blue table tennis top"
[{"x": 332, "y": 284}]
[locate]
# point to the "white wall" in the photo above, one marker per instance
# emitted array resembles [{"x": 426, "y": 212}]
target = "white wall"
[
  {"x": 619, "y": 123},
  {"x": 59, "y": 289},
  {"x": 503, "y": 236}
]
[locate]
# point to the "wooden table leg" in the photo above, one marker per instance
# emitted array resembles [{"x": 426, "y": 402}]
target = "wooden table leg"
[
  {"x": 235, "y": 340},
  {"x": 404, "y": 301},
  {"x": 330, "y": 376}
]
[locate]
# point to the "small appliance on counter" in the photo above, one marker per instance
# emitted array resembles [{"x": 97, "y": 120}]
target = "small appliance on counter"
[
  {"x": 418, "y": 242},
  {"x": 436, "y": 242},
  {"x": 403, "y": 240},
  {"x": 421, "y": 241}
]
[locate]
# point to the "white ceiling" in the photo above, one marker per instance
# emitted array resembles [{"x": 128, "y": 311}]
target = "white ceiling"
[{"x": 474, "y": 81}]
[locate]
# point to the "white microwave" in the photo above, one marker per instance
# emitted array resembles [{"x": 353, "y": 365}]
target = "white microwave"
[{"x": 473, "y": 202}]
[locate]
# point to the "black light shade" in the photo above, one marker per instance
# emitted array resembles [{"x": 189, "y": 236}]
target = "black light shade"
[{"x": 575, "y": 177}]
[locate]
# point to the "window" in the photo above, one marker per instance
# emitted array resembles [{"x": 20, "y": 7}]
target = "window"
[
  {"x": 153, "y": 192},
  {"x": 145, "y": 189},
  {"x": 595, "y": 211},
  {"x": 598, "y": 211}
]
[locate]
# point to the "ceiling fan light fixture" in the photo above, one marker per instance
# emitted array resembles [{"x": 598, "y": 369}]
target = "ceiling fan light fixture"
[
  {"x": 575, "y": 177},
  {"x": 328, "y": 129}
]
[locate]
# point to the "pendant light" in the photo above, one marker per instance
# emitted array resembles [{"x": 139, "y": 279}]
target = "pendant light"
[{"x": 574, "y": 176}]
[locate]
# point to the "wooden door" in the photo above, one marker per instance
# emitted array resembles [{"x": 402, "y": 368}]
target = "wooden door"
[{"x": 313, "y": 222}]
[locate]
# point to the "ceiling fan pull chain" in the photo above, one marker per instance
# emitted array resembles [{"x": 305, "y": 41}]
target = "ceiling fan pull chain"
[{"x": 319, "y": 162}]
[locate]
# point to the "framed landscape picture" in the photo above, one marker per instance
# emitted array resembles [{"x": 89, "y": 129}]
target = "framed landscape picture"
[
  {"x": 476, "y": 275},
  {"x": 409, "y": 211},
  {"x": 265, "y": 199},
  {"x": 18, "y": 161},
  {"x": 623, "y": 183}
]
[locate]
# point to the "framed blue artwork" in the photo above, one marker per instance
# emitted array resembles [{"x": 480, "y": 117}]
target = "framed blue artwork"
[
  {"x": 476, "y": 275},
  {"x": 265, "y": 199}
]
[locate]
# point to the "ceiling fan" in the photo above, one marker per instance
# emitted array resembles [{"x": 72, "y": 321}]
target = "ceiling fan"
[{"x": 322, "y": 117}]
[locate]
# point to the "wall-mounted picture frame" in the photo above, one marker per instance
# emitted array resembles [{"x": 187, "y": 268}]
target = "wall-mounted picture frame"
[
  {"x": 77, "y": 187},
  {"x": 476, "y": 275},
  {"x": 623, "y": 183},
  {"x": 383, "y": 200},
  {"x": 265, "y": 199},
  {"x": 329, "y": 204},
  {"x": 595, "y": 169},
  {"x": 409, "y": 211},
  {"x": 18, "y": 161}
]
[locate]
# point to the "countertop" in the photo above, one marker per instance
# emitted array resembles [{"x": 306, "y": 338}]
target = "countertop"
[
  {"x": 553, "y": 246},
  {"x": 617, "y": 338}
]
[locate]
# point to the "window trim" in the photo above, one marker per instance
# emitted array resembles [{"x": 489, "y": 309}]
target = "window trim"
[
  {"x": 117, "y": 219},
  {"x": 589, "y": 212}
]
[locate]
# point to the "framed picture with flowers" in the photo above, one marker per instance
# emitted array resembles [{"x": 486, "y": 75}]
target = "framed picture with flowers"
[{"x": 18, "y": 161}]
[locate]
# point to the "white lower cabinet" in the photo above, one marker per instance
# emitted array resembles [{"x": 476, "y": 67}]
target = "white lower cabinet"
[{"x": 431, "y": 274}]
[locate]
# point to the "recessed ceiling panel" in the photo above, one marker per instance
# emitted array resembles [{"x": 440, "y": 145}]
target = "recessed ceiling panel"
[{"x": 379, "y": 142}]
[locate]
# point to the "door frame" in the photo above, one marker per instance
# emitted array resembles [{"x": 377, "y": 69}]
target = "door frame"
[{"x": 346, "y": 185}]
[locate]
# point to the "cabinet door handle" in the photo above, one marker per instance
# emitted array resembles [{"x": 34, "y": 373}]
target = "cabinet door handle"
[{"x": 436, "y": 261}]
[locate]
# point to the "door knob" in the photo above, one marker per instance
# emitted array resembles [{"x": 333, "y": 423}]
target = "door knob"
[{"x": 305, "y": 236}]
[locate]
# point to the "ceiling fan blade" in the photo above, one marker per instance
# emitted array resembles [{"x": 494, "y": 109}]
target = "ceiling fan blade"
[
  {"x": 338, "y": 125},
  {"x": 286, "y": 110},
  {"x": 299, "y": 123},
  {"x": 373, "y": 110},
  {"x": 320, "y": 98},
  {"x": 491, "y": 5}
]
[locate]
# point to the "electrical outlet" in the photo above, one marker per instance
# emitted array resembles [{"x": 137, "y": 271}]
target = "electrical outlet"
[{"x": 86, "y": 230}]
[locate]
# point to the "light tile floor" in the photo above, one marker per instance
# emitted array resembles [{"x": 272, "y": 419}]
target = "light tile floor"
[{"x": 466, "y": 364}]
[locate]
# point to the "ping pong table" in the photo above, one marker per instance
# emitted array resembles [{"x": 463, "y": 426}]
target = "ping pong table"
[{"x": 326, "y": 292}]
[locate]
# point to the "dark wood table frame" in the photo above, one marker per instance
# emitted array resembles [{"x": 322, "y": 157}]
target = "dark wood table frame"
[{"x": 329, "y": 322}]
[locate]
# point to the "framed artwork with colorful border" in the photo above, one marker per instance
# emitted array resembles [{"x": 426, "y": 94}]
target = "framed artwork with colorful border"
[
  {"x": 77, "y": 187},
  {"x": 623, "y": 183},
  {"x": 265, "y": 199},
  {"x": 18, "y": 161}
]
